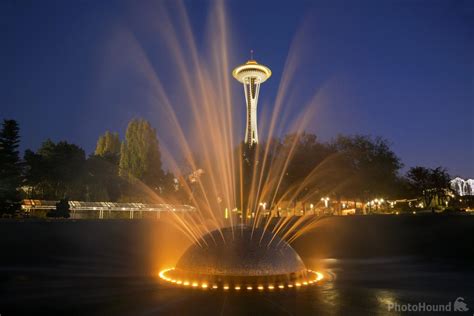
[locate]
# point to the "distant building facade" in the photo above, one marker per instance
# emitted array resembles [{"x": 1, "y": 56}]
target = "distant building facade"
[{"x": 463, "y": 187}]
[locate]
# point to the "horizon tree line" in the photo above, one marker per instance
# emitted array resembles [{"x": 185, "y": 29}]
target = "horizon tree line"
[{"x": 355, "y": 168}]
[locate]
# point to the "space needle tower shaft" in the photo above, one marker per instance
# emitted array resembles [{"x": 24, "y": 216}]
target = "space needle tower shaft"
[{"x": 251, "y": 75}]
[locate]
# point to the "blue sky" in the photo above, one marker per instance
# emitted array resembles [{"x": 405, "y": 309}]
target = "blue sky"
[{"x": 403, "y": 70}]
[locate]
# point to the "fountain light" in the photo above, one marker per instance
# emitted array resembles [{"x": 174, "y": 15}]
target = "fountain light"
[
  {"x": 312, "y": 278},
  {"x": 319, "y": 276}
]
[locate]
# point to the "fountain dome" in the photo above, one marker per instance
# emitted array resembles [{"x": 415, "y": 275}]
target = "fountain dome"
[{"x": 239, "y": 256}]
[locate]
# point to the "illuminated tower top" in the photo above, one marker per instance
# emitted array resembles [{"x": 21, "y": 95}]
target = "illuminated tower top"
[{"x": 251, "y": 74}]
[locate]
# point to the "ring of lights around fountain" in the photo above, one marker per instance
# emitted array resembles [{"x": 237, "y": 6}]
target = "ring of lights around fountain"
[{"x": 239, "y": 258}]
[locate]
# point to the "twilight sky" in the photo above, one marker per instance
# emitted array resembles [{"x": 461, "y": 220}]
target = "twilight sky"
[{"x": 403, "y": 70}]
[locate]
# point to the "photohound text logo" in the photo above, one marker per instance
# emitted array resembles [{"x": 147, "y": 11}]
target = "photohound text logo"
[{"x": 457, "y": 306}]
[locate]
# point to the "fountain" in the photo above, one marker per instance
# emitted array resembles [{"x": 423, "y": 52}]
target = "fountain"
[
  {"x": 235, "y": 260},
  {"x": 237, "y": 240},
  {"x": 242, "y": 256}
]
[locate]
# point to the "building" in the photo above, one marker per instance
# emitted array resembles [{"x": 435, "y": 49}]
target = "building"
[
  {"x": 251, "y": 74},
  {"x": 462, "y": 187}
]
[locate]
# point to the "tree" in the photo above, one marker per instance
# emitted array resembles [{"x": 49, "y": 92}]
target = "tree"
[
  {"x": 441, "y": 183},
  {"x": 428, "y": 183},
  {"x": 56, "y": 170},
  {"x": 103, "y": 182},
  {"x": 371, "y": 166},
  {"x": 108, "y": 145},
  {"x": 302, "y": 175},
  {"x": 140, "y": 157},
  {"x": 10, "y": 167}
]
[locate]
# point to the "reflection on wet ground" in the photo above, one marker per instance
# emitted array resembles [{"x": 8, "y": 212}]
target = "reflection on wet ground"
[
  {"x": 351, "y": 286},
  {"x": 111, "y": 268}
]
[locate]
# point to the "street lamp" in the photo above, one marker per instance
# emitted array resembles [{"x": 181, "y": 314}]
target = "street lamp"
[{"x": 326, "y": 201}]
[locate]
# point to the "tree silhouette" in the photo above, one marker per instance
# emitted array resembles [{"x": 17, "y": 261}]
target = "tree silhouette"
[
  {"x": 428, "y": 183},
  {"x": 140, "y": 157},
  {"x": 108, "y": 146},
  {"x": 10, "y": 167},
  {"x": 56, "y": 170}
]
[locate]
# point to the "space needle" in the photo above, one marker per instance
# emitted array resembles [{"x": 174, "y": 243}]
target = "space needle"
[{"x": 251, "y": 74}]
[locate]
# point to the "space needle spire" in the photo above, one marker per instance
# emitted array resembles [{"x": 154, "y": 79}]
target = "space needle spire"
[{"x": 251, "y": 74}]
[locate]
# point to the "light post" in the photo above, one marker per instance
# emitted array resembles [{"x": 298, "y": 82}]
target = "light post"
[
  {"x": 326, "y": 201},
  {"x": 378, "y": 203}
]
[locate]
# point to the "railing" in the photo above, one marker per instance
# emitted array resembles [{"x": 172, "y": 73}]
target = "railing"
[{"x": 77, "y": 206}]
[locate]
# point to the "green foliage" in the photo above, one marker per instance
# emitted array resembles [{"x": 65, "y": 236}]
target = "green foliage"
[
  {"x": 108, "y": 145},
  {"x": 370, "y": 166},
  {"x": 56, "y": 170},
  {"x": 140, "y": 157},
  {"x": 298, "y": 169},
  {"x": 103, "y": 182},
  {"x": 60, "y": 169},
  {"x": 428, "y": 183},
  {"x": 307, "y": 172},
  {"x": 10, "y": 167}
]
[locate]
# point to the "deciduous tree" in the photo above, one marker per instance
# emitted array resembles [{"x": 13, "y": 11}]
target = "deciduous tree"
[
  {"x": 428, "y": 183},
  {"x": 108, "y": 145},
  {"x": 140, "y": 157},
  {"x": 56, "y": 170}
]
